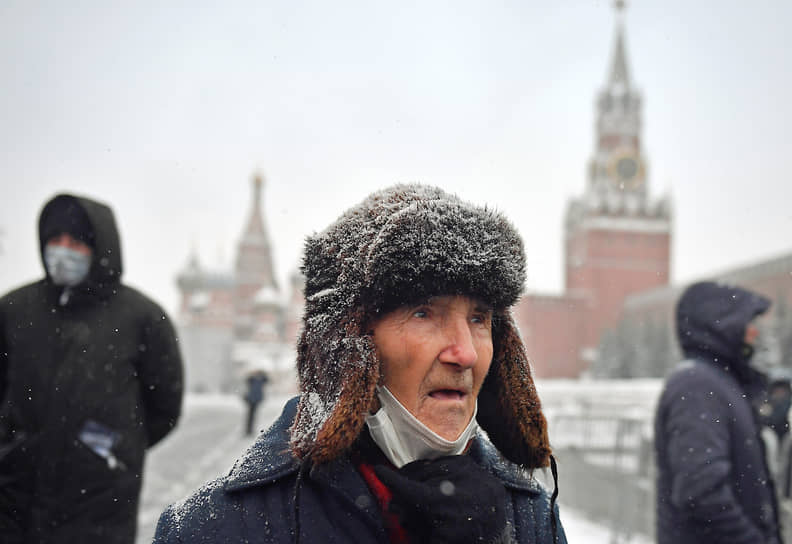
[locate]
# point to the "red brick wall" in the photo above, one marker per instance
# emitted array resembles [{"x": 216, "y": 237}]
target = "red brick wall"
[
  {"x": 603, "y": 267},
  {"x": 552, "y": 329},
  {"x": 611, "y": 265}
]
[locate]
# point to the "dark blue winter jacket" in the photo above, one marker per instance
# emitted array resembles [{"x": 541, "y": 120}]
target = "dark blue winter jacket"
[
  {"x": 712, "y": 478},
  {"x": 256, "y": 501}
]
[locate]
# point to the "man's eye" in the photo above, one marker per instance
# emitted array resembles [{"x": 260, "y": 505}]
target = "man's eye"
[
  {"x": 480, "y": 319},
  {"x": 420, "y": 313}
]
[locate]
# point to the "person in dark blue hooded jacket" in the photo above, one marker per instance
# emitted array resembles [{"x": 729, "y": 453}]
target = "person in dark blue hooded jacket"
[
  {"x": 408, "y": 348},
  {"x": 713, "y": 484}
]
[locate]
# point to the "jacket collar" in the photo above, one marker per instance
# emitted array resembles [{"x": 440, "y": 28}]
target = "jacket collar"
[
  {"x": 512, "y": 475},
  {"x": 270, "y": 459}
]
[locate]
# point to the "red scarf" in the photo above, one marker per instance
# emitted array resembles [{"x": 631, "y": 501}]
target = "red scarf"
[{"x": 396, "y": 532}]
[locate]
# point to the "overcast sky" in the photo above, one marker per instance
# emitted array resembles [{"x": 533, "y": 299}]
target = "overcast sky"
[{"x": 164, "y": 110}]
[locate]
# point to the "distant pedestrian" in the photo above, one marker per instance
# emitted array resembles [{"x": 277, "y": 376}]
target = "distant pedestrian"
[
  {"x": 713, "y": 484},
  {"x": 254, "y": 395},
  {"x": 90, "y": 376},
  {"x": 408, "y": 346}
]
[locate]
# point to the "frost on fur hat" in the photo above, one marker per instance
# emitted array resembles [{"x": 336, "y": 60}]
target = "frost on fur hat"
[{"x": 399, "y": 246}]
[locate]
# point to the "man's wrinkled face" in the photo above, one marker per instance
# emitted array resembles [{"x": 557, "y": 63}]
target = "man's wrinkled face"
[{"x": 435, "y": 357}]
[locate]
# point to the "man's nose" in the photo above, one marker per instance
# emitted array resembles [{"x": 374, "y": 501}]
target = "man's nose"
[{"x": 460, "y": 348}]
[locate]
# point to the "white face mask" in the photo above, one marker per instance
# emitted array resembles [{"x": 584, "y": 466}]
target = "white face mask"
[
  {"x": 66, "y": 266},
  {"x": 403, "y": 438}
]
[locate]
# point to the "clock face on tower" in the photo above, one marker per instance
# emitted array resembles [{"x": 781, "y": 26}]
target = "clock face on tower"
[{"x": 625, "y": 170}]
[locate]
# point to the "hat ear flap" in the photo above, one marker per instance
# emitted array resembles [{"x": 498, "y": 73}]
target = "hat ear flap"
[
  {"x": 509, "y": 409},
  {"x": 339, "y": 363}
]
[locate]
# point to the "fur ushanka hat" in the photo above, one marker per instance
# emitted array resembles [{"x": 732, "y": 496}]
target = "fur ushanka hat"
[{"x": 399, "y": 246}]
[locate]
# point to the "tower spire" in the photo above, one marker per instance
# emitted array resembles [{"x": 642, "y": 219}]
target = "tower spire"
[
  {"x": 254, "y": 260},
  {"x": 255, "y": 226},
  {"x": 617, "y": 172},
  {"x": 619, "y": 73}
]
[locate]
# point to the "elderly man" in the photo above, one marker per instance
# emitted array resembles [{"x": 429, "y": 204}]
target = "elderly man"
[{"x": 407, "y": 347}]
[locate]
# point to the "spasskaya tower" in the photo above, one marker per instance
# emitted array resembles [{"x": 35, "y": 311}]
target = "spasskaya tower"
[{"x": 617, "y": 238}]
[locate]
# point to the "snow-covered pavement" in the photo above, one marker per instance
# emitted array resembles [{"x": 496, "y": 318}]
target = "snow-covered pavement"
[
  {"x": 205, "y": 444},
  {"x": 579, "y": 530},
  {"x": 208, "y": 440}
]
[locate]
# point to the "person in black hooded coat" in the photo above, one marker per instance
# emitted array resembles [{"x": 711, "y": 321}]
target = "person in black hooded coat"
[
  {"x": 712, "y": 477},
  {"x": 90, "y": 376}
]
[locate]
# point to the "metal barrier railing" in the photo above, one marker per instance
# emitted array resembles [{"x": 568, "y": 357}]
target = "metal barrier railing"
[{"x": 606, "y": 470}]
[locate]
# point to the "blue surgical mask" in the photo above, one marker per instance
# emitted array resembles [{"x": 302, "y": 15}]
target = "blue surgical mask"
[{"x": 66, "y": 266}]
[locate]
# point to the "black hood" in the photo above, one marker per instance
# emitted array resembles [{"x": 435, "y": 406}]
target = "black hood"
[
  {"x": 106, "y": 269},
  {"x": 711, "y": 320}
]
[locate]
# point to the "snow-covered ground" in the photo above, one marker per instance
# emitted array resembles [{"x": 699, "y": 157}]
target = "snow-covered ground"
[
  {"x": 634, "y": 398},
  {"x": 208, "y": 440},
  {"x": 580, "y": 530}
]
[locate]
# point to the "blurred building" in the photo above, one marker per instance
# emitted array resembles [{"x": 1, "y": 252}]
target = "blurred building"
[
  {"x": 615, "y": 317},
  {"x": 233, "y": 322},
  {"x": 617, "y": 238},
  {"x": 643, "y": 342}
]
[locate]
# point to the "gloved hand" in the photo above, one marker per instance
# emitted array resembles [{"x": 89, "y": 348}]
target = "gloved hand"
[{"x": 448, "y": 500}]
